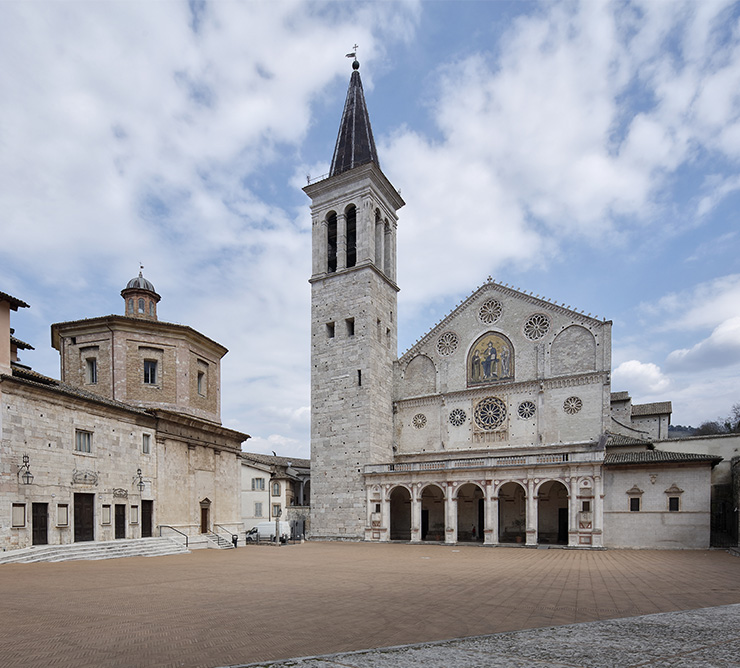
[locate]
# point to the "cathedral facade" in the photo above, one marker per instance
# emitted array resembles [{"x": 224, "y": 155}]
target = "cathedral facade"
[{"x": 495, "y": 427}]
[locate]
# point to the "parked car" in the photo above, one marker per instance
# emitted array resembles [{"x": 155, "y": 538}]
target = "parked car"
[{"x": 265, "y": 531}]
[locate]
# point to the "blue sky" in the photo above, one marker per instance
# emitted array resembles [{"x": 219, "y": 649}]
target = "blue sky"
[{"x": 588, "y": 152}]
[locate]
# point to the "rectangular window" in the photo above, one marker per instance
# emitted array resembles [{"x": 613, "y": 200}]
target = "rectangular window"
[
  {"x": 19, "y": 514},
  {"x": 134, "y": 515},
  {"x": 586, "y": 506},
  {"x": 201, "y": 384},
  {"x": 330, "y": 330},
  {"x": 258, "y": 509},
  {"x": 673, "y": 504},
  {"x": 276, "y": 510},
  {"x": 91, "y": 371},
  {"x": 350, "y": 322},
  {"x": 635, "y": 504},
  {"x": 83, "y": 441},
  {"x": 146, "y": 443},
  {"x": 258, "y": 484},
  {"x": 106, "y": 514},
  {"x": 62, "y": 515},
  {"x": 150, "y": 372},
  {"x": 276, "y": 489}
]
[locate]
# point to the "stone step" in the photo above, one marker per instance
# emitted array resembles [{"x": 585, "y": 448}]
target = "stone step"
[{"x": 138, "y": 547}]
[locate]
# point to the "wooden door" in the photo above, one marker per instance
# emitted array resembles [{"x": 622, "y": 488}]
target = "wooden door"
[
  {"x": 205, "y": 524},
  {"x": 120, "y": 520},
  {"x": 40, "y": 523},
  {"x": 84, "y": 517},
  {"x": 147, "y": 511}
]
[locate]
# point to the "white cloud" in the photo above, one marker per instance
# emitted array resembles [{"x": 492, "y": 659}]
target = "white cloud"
[
  {"x": 640, "y": 379},
  {"x": 720, "y": 349}
]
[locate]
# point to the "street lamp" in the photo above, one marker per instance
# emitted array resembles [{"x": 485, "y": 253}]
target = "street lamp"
[
  {"x": 26, "y": 476},
  {"x": 140, "y": 484}
]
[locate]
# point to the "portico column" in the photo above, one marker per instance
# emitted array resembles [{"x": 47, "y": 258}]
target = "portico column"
[
  {"x": 573, "y": 512},
  {"x": 415, "y": 515},
  {"x": 598, "y": 525},
  {"x": 341, "y": 241},
  {"x": 450, "y": 515},
  {"x": 491, "y": 535},
  {"x": 385, "y": 518},
  {"x": 531, "y": 514}
]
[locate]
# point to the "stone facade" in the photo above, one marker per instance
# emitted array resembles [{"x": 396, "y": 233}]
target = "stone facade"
[
  {"x": 79, "y": 463},
  {"x": 497, "y": 426}
]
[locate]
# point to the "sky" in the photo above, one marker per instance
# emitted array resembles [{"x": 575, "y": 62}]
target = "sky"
[{"x": 585, "y": 151}]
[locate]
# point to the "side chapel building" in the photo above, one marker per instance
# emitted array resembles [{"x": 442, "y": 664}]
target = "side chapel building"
[
  {"x": 127, "y": 442},
  {"x": 496, "y": 426}
]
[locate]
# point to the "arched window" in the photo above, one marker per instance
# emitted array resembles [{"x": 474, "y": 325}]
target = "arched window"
[
  {"x": 351, "y": 236},
  {"x": 331, "y": 242},
  {"x": 141, "y": 306},
  {"x": 130, "y": 305},
  {"x": 151, "y": 309}
]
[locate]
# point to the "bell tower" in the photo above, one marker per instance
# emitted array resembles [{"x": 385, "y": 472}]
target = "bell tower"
[{"x": 353, "y": 324}]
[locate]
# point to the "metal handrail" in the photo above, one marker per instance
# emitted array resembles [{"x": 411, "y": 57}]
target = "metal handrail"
[
  {"x": 223, "y": 528},
  {"x": 167, "y": 526}
]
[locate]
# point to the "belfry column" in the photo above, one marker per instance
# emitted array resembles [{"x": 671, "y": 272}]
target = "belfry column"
[
  {"x": 380, "y": 244},
  {"x": 415, "y": 514},
  {"x": 531, "y": 514},
  {"x": 319, "y": 254},
  {"x": 341, "y": 241}
]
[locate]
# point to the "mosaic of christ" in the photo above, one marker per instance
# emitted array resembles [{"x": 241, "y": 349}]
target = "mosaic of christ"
[{"x": 490, "y": 359}]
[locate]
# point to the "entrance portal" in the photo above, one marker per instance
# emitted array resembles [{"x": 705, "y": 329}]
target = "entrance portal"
[
  {"x": 400, "y": 514},
  {"x": 147, "y": 511},
  {"x": 120, "y": 520},
  {"x": 512, "y": 513},
  {"x": 552, "y": 513},
  {"x": 432, "y": 513},
  {"x": 40, "y": 524},
  {"x": 470, "y": 514},
  {"x": 84, "y": 517},
  {"x": 205, "y": 515}
]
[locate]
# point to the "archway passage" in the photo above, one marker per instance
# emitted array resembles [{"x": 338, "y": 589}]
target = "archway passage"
[
  {"x": 400, "y": 514},
  {"x": 552, "y": 513},
  {"x": 432, "y": 513},
  {"x": 512, "y": 513},
  {"x": 470, "y": 514}
]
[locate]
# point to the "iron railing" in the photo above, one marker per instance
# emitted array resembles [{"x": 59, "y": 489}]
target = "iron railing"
[{"x": 167, "y": 526}]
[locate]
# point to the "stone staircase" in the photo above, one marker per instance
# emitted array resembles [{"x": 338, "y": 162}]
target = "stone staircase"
[
  {"x": 220, "y": 542},
  {"x": 110, "y": 549}
]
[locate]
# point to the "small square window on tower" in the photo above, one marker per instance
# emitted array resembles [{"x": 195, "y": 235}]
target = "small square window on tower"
[
  {"x": 350, "y": 322},
  {"x": 91, "y": 371},
  {"x": 330, "y": 330},
  {"x": 150, "y": 372}
]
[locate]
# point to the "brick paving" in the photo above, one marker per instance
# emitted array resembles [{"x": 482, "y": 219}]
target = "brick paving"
[{"x": 218, "y": 607}]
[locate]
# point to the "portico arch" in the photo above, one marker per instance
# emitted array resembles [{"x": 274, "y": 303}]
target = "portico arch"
[
  {"x": 470, "y": 513},
  {"x": 432, "y": 513},
  {"x": 552, "y": 513},
  {"x": 400, "y": 499},
  {"x": 512, "y": 513}
]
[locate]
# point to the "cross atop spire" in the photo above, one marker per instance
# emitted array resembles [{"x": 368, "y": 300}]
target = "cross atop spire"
[{"x": 355, "y": 144}]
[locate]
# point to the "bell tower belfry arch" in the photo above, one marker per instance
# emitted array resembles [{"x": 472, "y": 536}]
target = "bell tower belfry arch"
[{"x": 353, "y": 323}]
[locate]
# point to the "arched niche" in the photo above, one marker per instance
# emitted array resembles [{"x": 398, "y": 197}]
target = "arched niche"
[
  {"x": 573, "y": 351},
  {"x": 420, "y": 376},
  {"x": 490, "y": 359}
]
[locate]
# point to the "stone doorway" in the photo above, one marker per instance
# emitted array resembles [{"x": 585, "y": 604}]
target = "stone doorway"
[
  {"x": 84, "y": 511},
  {"x": 400, "y": 514},
  {"x": 40, "y": 523}
]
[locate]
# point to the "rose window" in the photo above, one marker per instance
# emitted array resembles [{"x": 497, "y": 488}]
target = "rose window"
[
  {"x": 458, "y": 417},
  {"x": 490, "y": 413},
  {"x": 419, "y": 421},
  {"x": 526, "y": 410},
  {"x": 572, "y": 405},
  {"x": 537, "y": 326},
  {"x": 447, "y": 343},
  {"x": 490, "y": 311}
]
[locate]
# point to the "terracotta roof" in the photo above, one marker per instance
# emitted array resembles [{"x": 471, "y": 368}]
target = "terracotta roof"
[
  {"x": 620, "y": 396},
  {"x": 272, "y": 460},
  {"x": 355, "y": 144},
  {"x": 657, "y": 408},
  {"x": 621, "y": 439},
  {"x": 21, "y": 345},
  {"x": 15, "y": 303},
  {"x": 658, "y": 457}
]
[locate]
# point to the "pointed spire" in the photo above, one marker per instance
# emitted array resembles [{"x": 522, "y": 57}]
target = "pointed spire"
[{"x": 355, "y": 144}]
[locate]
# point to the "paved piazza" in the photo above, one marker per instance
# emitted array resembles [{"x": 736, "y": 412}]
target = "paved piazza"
[{"x": 219, "y": 608}]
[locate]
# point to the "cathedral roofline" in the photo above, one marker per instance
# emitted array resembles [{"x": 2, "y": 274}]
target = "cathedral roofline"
[{"x": 490, "y": 284}]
